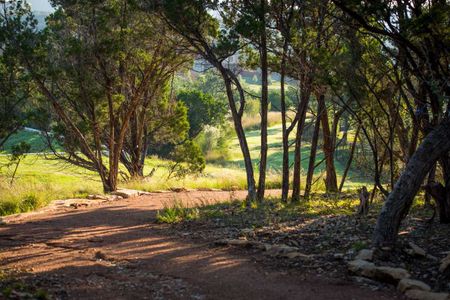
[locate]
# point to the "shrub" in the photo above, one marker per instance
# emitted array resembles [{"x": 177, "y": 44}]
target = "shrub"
[
  {"x": 176, "y": 213},
  {"x": 30, "y": 202},
  {"x": 9, "y": 208}
]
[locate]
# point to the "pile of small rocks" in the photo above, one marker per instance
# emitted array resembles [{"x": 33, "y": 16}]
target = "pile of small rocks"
[{"x": 362, "y": 265}]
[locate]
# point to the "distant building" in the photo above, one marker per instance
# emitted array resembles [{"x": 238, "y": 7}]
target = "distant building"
[{"x": 200, "y": 65}]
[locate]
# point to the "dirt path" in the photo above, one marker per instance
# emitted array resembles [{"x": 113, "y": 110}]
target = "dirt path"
[{"x": 116, "y": 251}]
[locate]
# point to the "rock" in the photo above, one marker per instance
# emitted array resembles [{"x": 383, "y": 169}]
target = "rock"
[
  {"x": 296, "y": 254},
  {"x": 365, "y": 254},
  {"x": 247, "y": 231},
  {"x": 77, "y": 205},
  {"x": 416, "y": 250},
  {"x": 362, "y": 267},
  {"x": 99, "y": 197},
  {"x": 390, "y": 275},
  {"x": 432, "y": 257},
  {"x": 425, "y": 295},
  {"x": 239, "y": 242},
  {"x": 279, "y": 250},
  {"x": 384, "y": 274},
  {"x": 235, "y": 242},
  {"x": 445, "y": 264},
  {"x": 411, "y": 284},
  {"x": 208, "y": 190},
  {"x": 144, "y": 193},
  {"x": 126, "y": 193},
  {"x": 338, "y": 256},
  {"x": 178, "y": 189},
  {"x": 115, "y": 198}
]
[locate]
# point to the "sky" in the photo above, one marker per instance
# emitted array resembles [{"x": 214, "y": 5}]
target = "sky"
[{"x": 40, "y": 5}]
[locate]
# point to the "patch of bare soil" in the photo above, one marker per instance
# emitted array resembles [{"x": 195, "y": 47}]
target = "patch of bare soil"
[
  {"x": 115, "y": 250},
  {"x": 323, "y": 244}
]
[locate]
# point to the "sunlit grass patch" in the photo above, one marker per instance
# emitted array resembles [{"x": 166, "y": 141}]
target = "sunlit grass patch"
[
  {"x": 323, "y": 204},
  {"x": 271, "y": 211},
  {"x": 39, "y": 181},
  {"x": 177, "y": 212}
]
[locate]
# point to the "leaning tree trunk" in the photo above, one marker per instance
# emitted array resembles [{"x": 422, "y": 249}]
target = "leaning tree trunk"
[
  {"x": 328, "y": 150},
  {"x": 313, "y": 152},
  {"x": 350, "y": 159},
  {"x": 434, "y": 146},
  {"x": 303, "y": 105},
  {"x": 237, "y": 120}
]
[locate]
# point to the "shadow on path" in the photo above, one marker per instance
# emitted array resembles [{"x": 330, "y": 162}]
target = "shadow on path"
[{"x": 116, "y": 251}]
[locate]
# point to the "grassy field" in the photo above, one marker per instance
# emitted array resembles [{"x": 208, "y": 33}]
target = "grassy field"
[{"x": 40, "y": 178}]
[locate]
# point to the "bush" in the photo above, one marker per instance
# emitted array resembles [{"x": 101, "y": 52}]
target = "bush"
[
  {"x": 30, "y": 202},
  {"x": 176, "y": 213},
  {"x": 21, "y": 204},
  {"x": 9, "y": 208},
  {"x": 214, "y": 143}
]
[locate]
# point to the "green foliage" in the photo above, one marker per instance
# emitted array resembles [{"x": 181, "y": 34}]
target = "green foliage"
[
  {"x": 19, "y": 150},
  {"x": 203, "y": 110},
  {"x": 167, "y": 125},
  {"x": 271, "y": 211},
  {"x": 16, "y": 23},
  {"x": 252, "y": 107},
  {"x": 215, "y": 142},
  {"x": 186, "y": 158},
  {"x": 26, "y": 291},
  {"x": 357, "y": 246},
  {"x": 28, "y": 202},
  {"x": 34, "y": 139},
  {"x": 177, "y": 212}
]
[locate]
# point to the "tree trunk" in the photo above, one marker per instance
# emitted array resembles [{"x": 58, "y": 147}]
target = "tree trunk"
[
  {"x": 237, "y": 120},
  {"x": 264, "y": 109},
  {"x": 430, "y": 180},
  {"x": 312, "y": 156},
  {"x": 439, "y": 193},
  {"x": 109, "y": 184},
  {"x": 444, "y": 205},
  {"x": 350, "y": 159},
  {"x": 303, "y": 105},
  {"x": 285, "y": 133},
  {"x": 364, "y": 197},
  {"x": 435, "y": 145},
  {"x": 328, "y": 150}
]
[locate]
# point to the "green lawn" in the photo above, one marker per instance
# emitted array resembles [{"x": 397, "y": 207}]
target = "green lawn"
[
  {"x": 36, "y": 141},
  {"x": 40, "y": 178}
]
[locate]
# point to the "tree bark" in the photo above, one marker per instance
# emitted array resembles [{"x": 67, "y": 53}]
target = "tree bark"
[
  {"x": 439, "y": 193},
  {"x": 435, "y": 145},
  {"x": 303, "y": 105},
  {"x": 364, "y": 197},
  {"x": 350, "y": 159},
  {"x": 328, "y": 150},
  {"x": 264, "y": 107},
  {"x": 312, "y": 156},
  {"x": 430, "y": 180},
  {"x": 237, "y": 120}
]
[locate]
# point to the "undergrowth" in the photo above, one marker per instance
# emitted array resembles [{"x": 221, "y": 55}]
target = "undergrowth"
[
  {"x": 271, "y": 211},
  {"x": 177, "y": 212}
]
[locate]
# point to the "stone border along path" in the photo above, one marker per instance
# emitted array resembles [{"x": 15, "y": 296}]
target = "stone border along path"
[
  {"x": 413, "y": 289},
  {"x": 114, "y": 250}
]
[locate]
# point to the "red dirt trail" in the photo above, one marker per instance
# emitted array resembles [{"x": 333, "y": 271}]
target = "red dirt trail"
[{"x": 116, "y": 251}]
